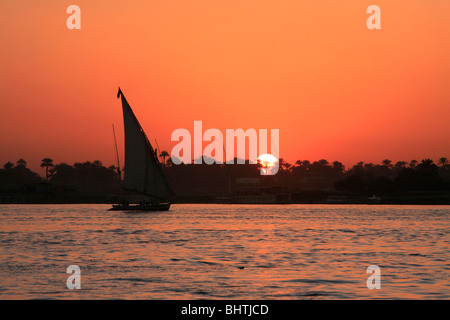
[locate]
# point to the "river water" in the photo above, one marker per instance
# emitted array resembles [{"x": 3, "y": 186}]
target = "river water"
[{"x": 214, "y": 251}]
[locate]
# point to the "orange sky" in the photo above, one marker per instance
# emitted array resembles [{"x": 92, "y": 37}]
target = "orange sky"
[{"x": 312, "y": 69}]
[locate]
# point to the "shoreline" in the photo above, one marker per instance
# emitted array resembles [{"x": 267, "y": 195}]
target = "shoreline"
[
  {"x": 306, "y": 197},
  {"x": 256, "y": 204}
]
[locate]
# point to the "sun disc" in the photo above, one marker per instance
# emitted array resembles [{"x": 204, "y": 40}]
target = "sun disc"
[{"x": 267, "y": 160}]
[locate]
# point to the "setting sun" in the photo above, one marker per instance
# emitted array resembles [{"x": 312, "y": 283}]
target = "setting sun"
[{"x": 268, "y": 163}]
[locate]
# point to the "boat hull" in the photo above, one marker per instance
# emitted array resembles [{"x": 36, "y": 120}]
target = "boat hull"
[{"x": 138, "y": 207}]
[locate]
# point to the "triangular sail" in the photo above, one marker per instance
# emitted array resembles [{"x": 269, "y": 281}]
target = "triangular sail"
[{"x": 143, "y": 172}]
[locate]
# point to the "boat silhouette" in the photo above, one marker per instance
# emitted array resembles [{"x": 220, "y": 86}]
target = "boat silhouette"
[{"x": 143, "y": 173}]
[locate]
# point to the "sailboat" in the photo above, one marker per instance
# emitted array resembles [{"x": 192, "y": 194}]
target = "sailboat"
[{"x": 143, "y": 173}]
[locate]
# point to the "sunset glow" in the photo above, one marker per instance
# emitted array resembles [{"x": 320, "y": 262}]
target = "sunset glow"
[
  {"x": 335, "y": 89},
  {"x": 227, "y": 158}
]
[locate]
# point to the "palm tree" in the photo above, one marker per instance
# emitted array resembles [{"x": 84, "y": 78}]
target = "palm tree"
[
  {"x": 426, "y": 162},
  {"x": 8, "y": 166},
  {"x": 427, "y": 165},
  {"x": 359, "y": 167},
  {"x": 338, "y": 167},
  {"x": 163, "y": 155},
  {"x": 369, "y": 166},
  {"x": 97, "y": 163},
  {"x": 46, "y": 163},
  {"x": 21, "y": 163},
  {"x": 304, "y": 164},
  {"x": 387, "y": 163},
  {"x": 443, "y": 162},
  {"x": 323, "y": 162},
  {"x": 283, "y": 164},
  {"x": 401, "y": 164},
  {"x": 63, "y": 174}
]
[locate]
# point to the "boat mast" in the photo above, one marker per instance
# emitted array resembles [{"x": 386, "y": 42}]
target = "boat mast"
[{"x": 117, "y": 155}]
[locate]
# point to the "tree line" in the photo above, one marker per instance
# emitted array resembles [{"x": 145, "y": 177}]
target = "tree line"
[
  {"x": 302, "y": 175},
  {"x": 87, "y": 176}
]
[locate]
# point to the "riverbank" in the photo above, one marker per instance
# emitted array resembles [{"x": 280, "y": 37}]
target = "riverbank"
[{"x": 310, "y": 197}]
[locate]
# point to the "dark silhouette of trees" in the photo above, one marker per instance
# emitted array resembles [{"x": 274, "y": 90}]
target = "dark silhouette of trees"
[
  {"x": 63, "y": 174},
  {"x": 385, "y": 178},
  {"x": 222, "y": 179},
  {"x": 8, "y": 166},
  {"x": 358, "y": 168},
  {"x": 88, "y": 181},
  {"x": 91, "y": 176},
  {"x": 443, "y": 162},
  {"x": 427, "y": 164},
  {"x": 413, "y": 163},
  {"x": 163, "y": 155},
  {"x": 21, "y": 163},
  {"x": 283, "y": 165},
  {"x": 338, "y": 168},
  {"x": 97, "y": 163},
  {"x": 444, "y": 169},
  {"x": 15, "y": 178},
  {"x": 400, "y": 165},
  {"x": 46, "y": 163},
  {"x": 424, "y": 176},
  {"x": 387, "y": 163},
  {"x": 301, "y": 168},
  {"x": 320, "y": 168}
]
